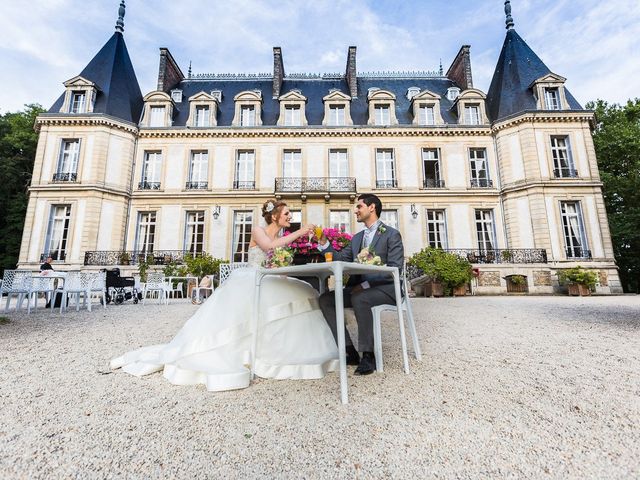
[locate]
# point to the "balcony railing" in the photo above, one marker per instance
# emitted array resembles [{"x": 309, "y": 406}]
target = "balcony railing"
[
  {"x": 481, "y": 183},
  {"x": 578, "y": 253},
  {"x": 386, "y": 184},
  {"x": 565, "y": 173},
  {"x": 433, "y": 183},
  {"x": 65, "y": 177},
  {"x": 132, "y": 257},
  {"x": 315, "y": 184},
  {"x": 149, "y": 186},
  {"x": 244, "y": 185},
  {"x": 57, "y": 255},
  {"x": 197, "y": 185},
  {"x": 507, "y": 255}
]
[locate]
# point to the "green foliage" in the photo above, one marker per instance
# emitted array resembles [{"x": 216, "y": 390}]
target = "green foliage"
[
  {"x": 448, "y": 268},
  {"x": 18, "y": 142},
  {"x": 518, "y": 279},
  {"x": 617, "y": 143},
  {"x": 174, "y": 270},
  {"x": 4, "y": 320},
  {"x": 143, "y": 266},
  {"x": 203, "y": 265},
  {"x": 580, "y": 275}
]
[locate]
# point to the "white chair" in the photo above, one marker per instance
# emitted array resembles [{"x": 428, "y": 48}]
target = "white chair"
[
  {"x": 76, "y": 284},
  {"x": 226, "y": 269},
  {"x": 175, "y": 291},
  {"x": 377, "y": 328},
  {"x": 98, "y": 286},
  {"x": 44, "y": 285},
  {"x": 155, "y": 283},
  {"x": 197, "y": 294},
  {"x": 18, "y": 283}
]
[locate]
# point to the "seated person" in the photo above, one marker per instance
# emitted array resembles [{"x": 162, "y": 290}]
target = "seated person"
[{"x": 46, "y": 265}]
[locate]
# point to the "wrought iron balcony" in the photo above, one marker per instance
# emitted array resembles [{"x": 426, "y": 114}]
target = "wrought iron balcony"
[
  {"x": 578, "y": 253},
  {"x": 507, "y": 255},
  {"x": 386, "y": 184},
  {"x": 315, "y": 185},
  {"x": 149, "y": 186},
  {"x": 57, "y": 255},
  {"x": 197, "y": 185},
  {"x": 244, "y": 185},
  {"x": 132, "y": 257},
  {"x": 565, "y": 173},
  {"x": 481, "y": 183},
  {"x": 433, "y": 183},
  {"x": 65, "y": 177}
]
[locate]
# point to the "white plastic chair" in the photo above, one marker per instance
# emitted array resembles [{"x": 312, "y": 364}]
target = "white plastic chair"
[
  {"x": 377, "y": 328},
  {"x": 18, "y": 283},
  {"x": 44, "y": 285},
  {"x": 226, "y": 269},
  {"x": 155, "y": 283},
  {"x": 76, "y": 284},
  {"x": 198, "y": 292},
  {"x": 175, "y": 291},
  {"x": 98, "y": 286}
]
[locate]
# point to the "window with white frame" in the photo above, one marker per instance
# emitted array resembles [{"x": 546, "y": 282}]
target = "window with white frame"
[
  {"x": 67, "y": 170},
  {"x": 338, "y": 163},
  {"x": 157, "y": 117},
  {"x": 485, "y": 230},
  {"x": 78, "y": 102},
  {"x": 146, "y": 232},
  {"x": 296, "y": 222},
  {"x": 199, "y": 170},
  {"x": 431, "y": 168},
  {"x": 58, "y": 232},
  {"x": 242, "y": 221},
  {"x": 563, "y": 166},
  {"x": 385, "y": 168},
  {"x": 151, "y": 171},
  {"x": 389, "y": 217},
  {"x": 479, "y": 168},
  {"x": 337, "y": 115},
  {"x": 552, "y": 98},
  {"x": 437, "y": 229},
  {"x": 575, "y": 238},
  {"x": 340, "y": 220},
  {"x": 245, "y": 170},
  {"x": 248, "y": 116},
  {"x": 292, "y": 116},
  {"x": 472, "y": 115},
  {"x": 202, "y": 116},
  {"x": 176, "y": 95},
  {"x": 292, "y": 164},
  {"x": 194, "y": 233},
  {"x": 426, "y": 114},
  {"x": 382, "y": 114}
]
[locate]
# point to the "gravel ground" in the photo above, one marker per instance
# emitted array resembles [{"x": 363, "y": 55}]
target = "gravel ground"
[{"x": 509, "y": 387}]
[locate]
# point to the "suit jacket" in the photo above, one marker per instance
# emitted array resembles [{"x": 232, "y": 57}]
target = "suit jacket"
[{"x": 387, "y": 245}]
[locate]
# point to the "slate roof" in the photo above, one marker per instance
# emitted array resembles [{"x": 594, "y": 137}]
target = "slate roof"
[
  {"x": 314, "y": 90},
  {"x": 112, "y": 71},
  {"x": 518, "y": 66}
]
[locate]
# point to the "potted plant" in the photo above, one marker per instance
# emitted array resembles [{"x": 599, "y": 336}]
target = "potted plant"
[
  {"x": 124, "y": 258},
  {"x": 452, "y": 271},
  {"x": 516, "y": 283},
  {"x": 579, "y": 280}
]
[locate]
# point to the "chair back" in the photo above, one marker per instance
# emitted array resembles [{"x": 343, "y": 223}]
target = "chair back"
[
  {"x": 42, "y": 284},
  {"x": 155, "y": 280},
  {"x": 73, "y": 282},
  {"x": 17, "y": 281},
  {"x": 227, "y": 268},
  {"x": 97, "y": 280}
]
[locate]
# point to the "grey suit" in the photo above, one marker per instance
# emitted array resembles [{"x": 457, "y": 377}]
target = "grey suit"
[{"x": 388, "y": 245}]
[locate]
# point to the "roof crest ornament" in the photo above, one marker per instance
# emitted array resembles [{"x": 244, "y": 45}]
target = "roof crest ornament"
[
  {"x": 507, "y": 11},
  {"x": 120, "y": 22},
  {"x": 189, "y": 72}
]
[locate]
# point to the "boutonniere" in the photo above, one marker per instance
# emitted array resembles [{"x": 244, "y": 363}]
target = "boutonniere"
[{"x": 382, "y": 229}]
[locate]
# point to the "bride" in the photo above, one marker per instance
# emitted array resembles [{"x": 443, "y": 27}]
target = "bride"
[{"x": 213, "y": 346}]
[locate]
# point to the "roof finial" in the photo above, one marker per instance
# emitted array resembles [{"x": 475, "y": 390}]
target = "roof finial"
[
  {"x": 120, "y": 22},
  {"x": 441, "y": 70},
  {"x": 189, "y": 72},
  {"x": 507, "y": 12}
]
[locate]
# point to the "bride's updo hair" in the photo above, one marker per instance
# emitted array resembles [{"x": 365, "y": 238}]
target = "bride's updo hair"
[{"x": 271, "y": 210}]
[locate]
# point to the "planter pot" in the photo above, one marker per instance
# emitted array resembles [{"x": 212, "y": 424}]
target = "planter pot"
[
  {"x": 433, "y": 289},
  {"x": 460, "y": 291},
  {"x": 577, "y": 289}
]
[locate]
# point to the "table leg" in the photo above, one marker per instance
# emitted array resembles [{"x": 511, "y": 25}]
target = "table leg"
[
  {"x": 403, "y": 337},
  {"x": 256, "y": 322},
  {"x": 344, "y": 395}
]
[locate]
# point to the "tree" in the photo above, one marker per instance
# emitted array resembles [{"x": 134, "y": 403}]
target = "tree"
[
  {"x": 18, "y": 142},
  {"x": 617, "y": 143}
]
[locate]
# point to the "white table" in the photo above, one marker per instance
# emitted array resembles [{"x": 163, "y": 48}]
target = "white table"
[{"x": 322, "y": 271}]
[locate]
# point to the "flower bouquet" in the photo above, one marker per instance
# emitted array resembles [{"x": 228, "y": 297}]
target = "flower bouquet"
[
  {"x": 278, "y": 257},
  {"x": 309, "y": 245},
  {"x": 368, "y": 257}
]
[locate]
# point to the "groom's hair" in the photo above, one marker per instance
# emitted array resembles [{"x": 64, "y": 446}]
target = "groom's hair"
[{"x": 370, "y": 198}]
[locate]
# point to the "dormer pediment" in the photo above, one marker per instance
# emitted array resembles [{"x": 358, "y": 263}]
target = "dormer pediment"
[
  {"x": 381, "y": 95},
  {"x": 426, "y": 95},
  {"x": 202, "y": 97},
  {"x": 549, "y": 78},
  {"x": 470, "y": 94},
  {"x": 79, "y": 81},
  {"x": 293, "y": 95},
  {"x": 158, "y": 96},
  {"x": 249, "y": 96},
  {"x": 336, "y": 96}
]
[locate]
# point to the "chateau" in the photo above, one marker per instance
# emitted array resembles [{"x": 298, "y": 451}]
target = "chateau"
[{"x": 508, "y": 178}]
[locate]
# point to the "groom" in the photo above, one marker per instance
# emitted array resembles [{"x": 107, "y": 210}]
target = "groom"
[{"x": 365, "y": 291}]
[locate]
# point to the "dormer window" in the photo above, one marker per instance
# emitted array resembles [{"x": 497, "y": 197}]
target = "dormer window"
[
  {"x": 292, "y": 109},
  {"x": 248, "y": 109},
  {"x": 382, "y": 108},
  {"x": 337, "y": 109},
  {"x": 472, "y": 114},
  {"x": 550, "y": 93},
  {"x": 158, "y": 110},
  {"x": 78, "y": 102},
  {"x": 470, "y": 106},
  {"x": 453, "y": 93},
  {"x": 426, "y": 115},
  {"x": 217, "y": 95},
  {"x": 202, "y": 115},
  {"x": 426, "y": 109},
  {"x": 156, "y": 117},
  {"x": 292, "y": 116},
  {"x": 176, "y": 95},
  {"x": 412, "y": 92},
  {"x": 80, "y": 96},
  {"x": 202, "y": 110},
  {"x": 551, "y": 98}
]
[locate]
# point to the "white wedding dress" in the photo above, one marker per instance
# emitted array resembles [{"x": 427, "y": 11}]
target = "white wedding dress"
[{"x": 213, "y": 346}]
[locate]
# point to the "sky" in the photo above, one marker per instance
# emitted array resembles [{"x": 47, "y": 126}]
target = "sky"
[{"x": 593, "y": 43}]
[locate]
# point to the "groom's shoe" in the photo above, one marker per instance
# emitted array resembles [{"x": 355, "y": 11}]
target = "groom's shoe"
[
  {"x": 367, "y": 365},
  {"x": 352, "y": 355}
]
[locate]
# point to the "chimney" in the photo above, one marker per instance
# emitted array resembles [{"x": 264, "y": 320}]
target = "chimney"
[
  {"x": 460, "y": 69},
  {"x": 169, "y": 73},
  {"x": 351, "y": 73},
  {"x": 278, "y": 71}
]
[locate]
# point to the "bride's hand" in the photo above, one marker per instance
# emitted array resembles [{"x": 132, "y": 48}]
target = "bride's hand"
[{"x": 307, "y": 229}]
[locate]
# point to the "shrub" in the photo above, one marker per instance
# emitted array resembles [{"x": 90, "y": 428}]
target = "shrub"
[
  {"x": 203, "y": 265},
  {"x": 143, "y": 266},
  {"x": 518, "y": 279},
  {"x": 448, "y": 268},
  {"x": 580, "y": 275}
]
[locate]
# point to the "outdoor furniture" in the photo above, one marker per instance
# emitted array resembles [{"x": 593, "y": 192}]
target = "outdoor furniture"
[
  {"x": 42, "y": 284},
  {"x": 75, "y": 284},
  {"x": 377, "y": 328},
  {"x": 198, "y": 293},
  {"x": 156, "y": 283},
  {"x": 172, "y": 292},
  {"x": 18, "y": 283},
  {"x": 98, "y": 286},
  {"x": 226, "y": 269}
]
